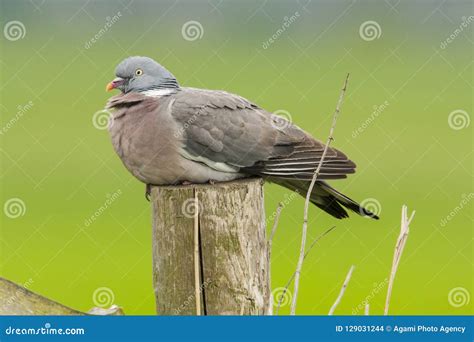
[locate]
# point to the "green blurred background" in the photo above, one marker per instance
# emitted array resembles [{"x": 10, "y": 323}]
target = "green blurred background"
[{"x": 63, "y": 169}]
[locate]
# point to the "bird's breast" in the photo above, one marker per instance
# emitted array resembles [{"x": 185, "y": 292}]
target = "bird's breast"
[{"x": 147, "y": 142}]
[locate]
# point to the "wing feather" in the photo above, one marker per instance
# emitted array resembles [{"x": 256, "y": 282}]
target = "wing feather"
[{"x": 227, "y": 132}]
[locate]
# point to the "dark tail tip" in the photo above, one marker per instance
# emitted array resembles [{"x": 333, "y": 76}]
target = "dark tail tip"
[{"x": 365, "y": 212}]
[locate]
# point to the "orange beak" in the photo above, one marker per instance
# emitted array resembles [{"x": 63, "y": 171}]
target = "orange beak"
[
  {"x": 109, "y": 86},
  {"x": 117, "y": 82}
]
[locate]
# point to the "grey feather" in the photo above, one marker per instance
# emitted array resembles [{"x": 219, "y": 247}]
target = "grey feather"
[{"x": 198, "y": 135}]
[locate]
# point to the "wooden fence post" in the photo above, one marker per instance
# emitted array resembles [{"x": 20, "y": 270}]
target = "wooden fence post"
[{"x": 225, "y": 271}]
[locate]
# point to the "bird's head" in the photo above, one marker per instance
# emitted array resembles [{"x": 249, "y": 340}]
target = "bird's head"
[{"x": 136, "y": 74}]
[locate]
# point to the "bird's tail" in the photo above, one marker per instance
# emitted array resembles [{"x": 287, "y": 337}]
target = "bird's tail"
[{"x": 326, "y": 197}]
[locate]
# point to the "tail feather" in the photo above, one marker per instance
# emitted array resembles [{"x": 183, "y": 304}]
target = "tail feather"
[
  {"x": 347, "y": 202},
  {"x": 331, "y": 206},
  {"x": 326, "y": 197}
]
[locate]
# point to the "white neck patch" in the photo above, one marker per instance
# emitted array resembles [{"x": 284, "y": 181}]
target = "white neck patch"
[{"x": 158, "y": 92}]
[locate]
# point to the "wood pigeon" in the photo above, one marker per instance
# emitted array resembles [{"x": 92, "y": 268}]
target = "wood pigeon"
[{"x": 167, "y": 134}]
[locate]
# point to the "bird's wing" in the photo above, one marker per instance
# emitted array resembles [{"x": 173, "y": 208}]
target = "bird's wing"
[{"x": 228, "y": 133}]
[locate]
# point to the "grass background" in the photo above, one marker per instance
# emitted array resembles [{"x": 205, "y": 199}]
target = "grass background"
[{"x": 63, "y": 168}]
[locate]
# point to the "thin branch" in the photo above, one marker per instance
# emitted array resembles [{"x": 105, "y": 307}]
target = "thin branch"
[
  {"x": 269, "y": 252},
  {"x": 294, "y": 273},
  {"x": 274, "y": 228},
  {"x": 316, "y": 240},
  {"x": 401, "y": 241},
  {"x": 343, "y": 290},
  {"x": 308, "y": 196},
  {"x": 197, "y": 281}
]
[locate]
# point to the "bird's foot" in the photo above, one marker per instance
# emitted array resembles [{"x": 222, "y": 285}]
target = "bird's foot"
[
  {"x": 212, "y": 181},
  {"x": 147, "y": 192},
  {"x": 186, "y": 182}
]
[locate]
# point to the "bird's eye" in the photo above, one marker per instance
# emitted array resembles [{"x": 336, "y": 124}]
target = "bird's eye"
[{"x": 139, "y": 72}]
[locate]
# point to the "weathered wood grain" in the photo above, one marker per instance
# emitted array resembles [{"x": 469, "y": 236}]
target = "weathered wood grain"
[
  {"x": 234, "y": 267},
  {"x": 17, "y": 300}
]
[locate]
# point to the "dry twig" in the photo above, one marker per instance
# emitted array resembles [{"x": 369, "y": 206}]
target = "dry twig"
[
  {"x": 401, "y": 241},
  {"x": 197, "y": 269},
  {"x": 343, "y": 290},
  {"x": 308, "y": 195},
  {"x": 269, "y": 249},
  {"x": 294, "y": 273},
  {"x": 274, "y": 228}
]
